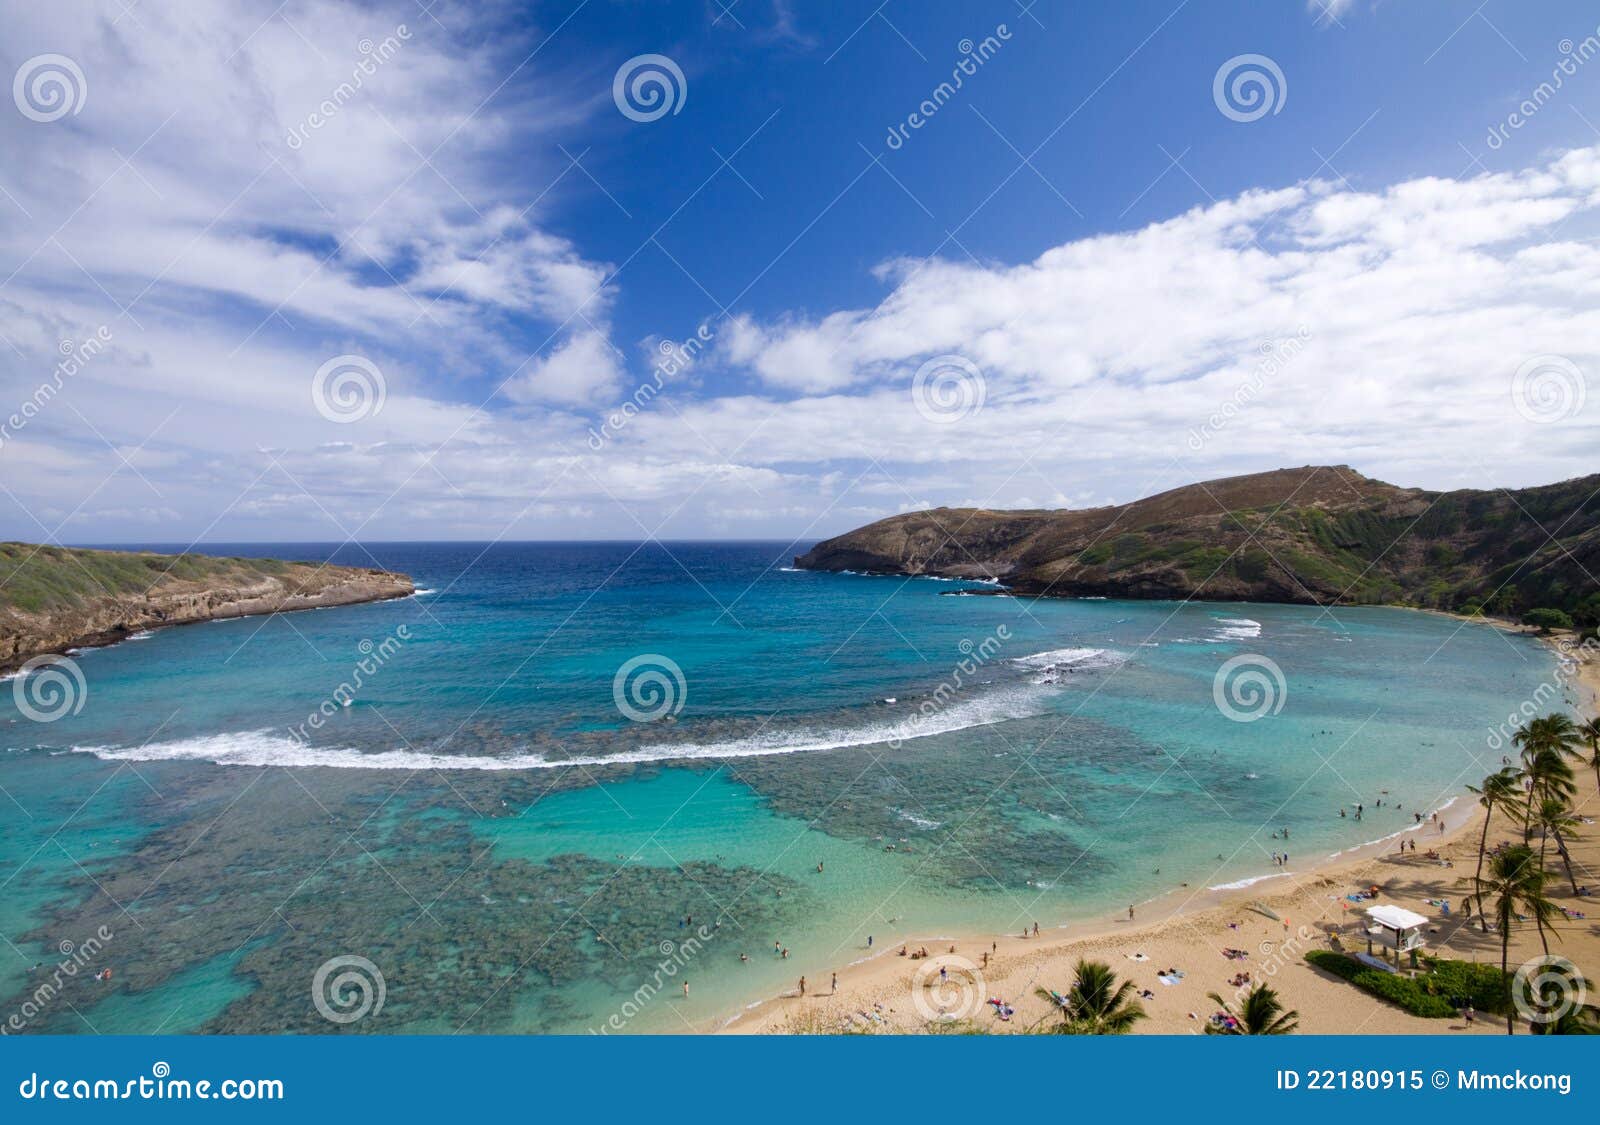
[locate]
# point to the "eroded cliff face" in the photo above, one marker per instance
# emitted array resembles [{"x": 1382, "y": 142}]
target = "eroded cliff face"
[
  {"x": 107, "y": 615},
  {"x": 1318, "y": 534}
]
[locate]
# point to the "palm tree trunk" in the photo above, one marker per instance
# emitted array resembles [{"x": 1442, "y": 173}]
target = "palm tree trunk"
[
  {"x": 1505, "y": 975},
  {"x": 1566, "y": 858},
  {"x": 1477, "y": 880}
]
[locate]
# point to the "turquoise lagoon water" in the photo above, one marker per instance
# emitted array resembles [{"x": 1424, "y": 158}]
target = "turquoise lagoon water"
[{"x": 479, "y": 818}]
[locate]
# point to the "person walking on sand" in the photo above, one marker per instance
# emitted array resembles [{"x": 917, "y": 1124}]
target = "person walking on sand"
[
  {"x": 1130, "y": 913},
  {"x": 1469, "y": 1015},
  {"x": 835, "y": 982},
  {"x": 802, "y": 986}
]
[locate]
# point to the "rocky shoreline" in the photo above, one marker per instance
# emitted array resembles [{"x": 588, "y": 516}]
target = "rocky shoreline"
[{"x": 234, "y": 588}]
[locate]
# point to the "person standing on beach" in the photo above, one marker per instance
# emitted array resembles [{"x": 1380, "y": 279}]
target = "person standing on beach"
[
  {"x": 1130, "y": 913},
  {"x": 802, "y": 986},
  {"x": 835, "y": 982},
  {"x": 869, "y": 941}
]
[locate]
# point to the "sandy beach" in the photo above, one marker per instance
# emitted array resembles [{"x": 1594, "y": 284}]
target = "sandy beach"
[{"x": 1275, "y": 921}]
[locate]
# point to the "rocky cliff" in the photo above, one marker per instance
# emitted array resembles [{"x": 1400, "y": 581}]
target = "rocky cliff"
[
  {"x": 1318, "y": 534},
  {"x": 55, "y": 598}
]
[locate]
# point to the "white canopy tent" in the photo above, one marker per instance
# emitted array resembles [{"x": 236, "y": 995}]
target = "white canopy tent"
[{"x": 1405, "y": 926}]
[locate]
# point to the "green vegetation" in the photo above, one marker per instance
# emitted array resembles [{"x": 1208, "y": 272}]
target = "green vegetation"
[
  {"x": 1262, "y": 1013},
  {"x": 1096, "y": 1004},
  {"x": 1547, "y": 619},
  {"x": 1435, "y": 994},
  {"x": 36, "y": 579}
]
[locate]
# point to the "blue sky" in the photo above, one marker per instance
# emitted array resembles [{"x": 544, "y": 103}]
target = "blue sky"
[{"x": 1080, "y": 279}]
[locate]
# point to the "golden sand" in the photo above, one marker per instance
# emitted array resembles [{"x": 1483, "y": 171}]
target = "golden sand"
[{"x": 1189, "y": 930}]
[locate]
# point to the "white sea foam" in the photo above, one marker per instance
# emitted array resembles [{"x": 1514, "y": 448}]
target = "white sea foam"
[
  {"x": 1068, "y": 660},
  {"x": 1237, "y": 629},
  {"x": 919, "y": 821},
  {"x": 423, "y": 593},
  {"x": 270, "y": 748},
  {"x": 1057, "y": 657},
  {"x": 1240, "y": 884}
]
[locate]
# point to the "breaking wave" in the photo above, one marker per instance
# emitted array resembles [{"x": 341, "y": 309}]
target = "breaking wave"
[{"x": 270, "y": 748}]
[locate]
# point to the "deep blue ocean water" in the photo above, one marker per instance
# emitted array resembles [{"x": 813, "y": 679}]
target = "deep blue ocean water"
[{"x": 457, "y": 787}]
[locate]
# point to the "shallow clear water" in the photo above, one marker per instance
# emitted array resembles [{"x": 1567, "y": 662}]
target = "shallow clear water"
[{"x": 487, "y": 826}]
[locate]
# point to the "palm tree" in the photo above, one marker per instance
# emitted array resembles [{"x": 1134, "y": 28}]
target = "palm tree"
[
  {"x": 1498, "y": 789},
  {"x": 1096, "y": 1004},
  {"x": 1515, "y": 883},
  {"x": 1262, "y": 1014},
  {"x": 1546, "y": 743},
  {"x": 1590, "y": 733},
  {"x": 1554, "y": 815}
]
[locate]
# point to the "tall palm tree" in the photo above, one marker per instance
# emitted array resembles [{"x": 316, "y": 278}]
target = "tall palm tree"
[
  {"x": 1552, "y": 817},
  {"x": 1096, "y": 1004},
  {"x": 1546, "y": 743},
  {"x": 1515, "y": 884},
  {"x": 1498, "y": 789},
  {"x": 1590, "y": 732},
  {"x": 1262, "y": 1014}
]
